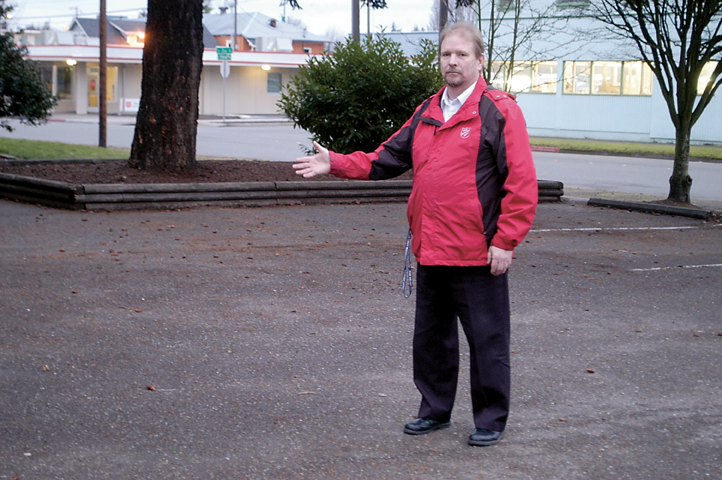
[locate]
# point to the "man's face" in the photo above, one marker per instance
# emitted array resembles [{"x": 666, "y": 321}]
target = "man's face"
[{"x": 460, "y": 66}]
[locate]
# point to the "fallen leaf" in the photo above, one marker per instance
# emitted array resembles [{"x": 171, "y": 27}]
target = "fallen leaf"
[
  {"x": 138, "y": 310},
  {"x": 46, "y": 368},
  {"x": 151, "y": 388},
  {"x": 307, "y": 393},
  {"x": 590, "y": 370}
]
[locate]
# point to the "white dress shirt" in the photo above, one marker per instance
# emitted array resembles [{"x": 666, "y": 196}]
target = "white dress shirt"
[{"x": 450, "y": 107}]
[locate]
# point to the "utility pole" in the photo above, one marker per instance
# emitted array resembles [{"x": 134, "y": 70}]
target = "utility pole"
[
  {"x": 103, "y": 101},
  {"x": 235, "y": 25},
  {"x": 443, "y": 13},
  {"x": 355, "y": 29},
  {"x": 368, "y": 17}
]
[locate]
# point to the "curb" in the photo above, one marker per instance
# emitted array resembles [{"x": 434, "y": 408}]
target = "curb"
[
  {"x": 182, "y": 195},
  {"x": 652, "y": 208}
]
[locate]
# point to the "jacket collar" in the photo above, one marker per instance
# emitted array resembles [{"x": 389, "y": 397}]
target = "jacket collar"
[{"x": 436, "y": 116}]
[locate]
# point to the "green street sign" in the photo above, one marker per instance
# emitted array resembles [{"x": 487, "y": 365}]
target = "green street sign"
[{"x": 224, "y": 53}]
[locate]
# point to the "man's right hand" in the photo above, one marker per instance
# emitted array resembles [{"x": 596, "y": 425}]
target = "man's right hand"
[{"x": 319, "y": 164}]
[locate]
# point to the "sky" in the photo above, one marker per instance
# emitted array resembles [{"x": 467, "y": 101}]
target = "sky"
[{"x": 318, "y": 15}]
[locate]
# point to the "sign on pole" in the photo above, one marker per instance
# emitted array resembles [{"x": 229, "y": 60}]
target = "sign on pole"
[
  {"x": 225, "y": 68},
  {"x": 224, "y": 53}
]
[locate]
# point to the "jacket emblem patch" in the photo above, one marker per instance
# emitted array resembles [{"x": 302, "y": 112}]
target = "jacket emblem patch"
[{"x": 465, "y": 132}]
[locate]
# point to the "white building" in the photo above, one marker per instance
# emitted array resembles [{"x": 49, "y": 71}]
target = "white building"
[
  {"x": 268, "y": 53},
  {"x": 571, "y": 88},
  {"x": 574, "y": 86}
]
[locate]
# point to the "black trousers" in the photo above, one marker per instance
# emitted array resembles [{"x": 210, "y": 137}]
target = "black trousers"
[{"x": 481, "y": 303}]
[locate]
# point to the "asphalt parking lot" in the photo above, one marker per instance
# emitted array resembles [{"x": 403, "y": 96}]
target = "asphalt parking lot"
[{"x": 268, "y": 343}]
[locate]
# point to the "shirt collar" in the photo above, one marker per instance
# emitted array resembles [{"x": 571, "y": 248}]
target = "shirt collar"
[{"x": 462, "y": 98}]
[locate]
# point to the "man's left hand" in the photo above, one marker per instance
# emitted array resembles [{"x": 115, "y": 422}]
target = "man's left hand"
[{"x": 499, "y": 260}]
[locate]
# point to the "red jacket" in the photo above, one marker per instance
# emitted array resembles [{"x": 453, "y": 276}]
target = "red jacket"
[{"x": 474, "y": 181}]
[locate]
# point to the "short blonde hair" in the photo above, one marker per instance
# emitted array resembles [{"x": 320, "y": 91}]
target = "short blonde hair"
[{"x": 467, "y": 30}]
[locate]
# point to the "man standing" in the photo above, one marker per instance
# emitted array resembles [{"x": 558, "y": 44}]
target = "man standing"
[{"x": 473, "y": 200}]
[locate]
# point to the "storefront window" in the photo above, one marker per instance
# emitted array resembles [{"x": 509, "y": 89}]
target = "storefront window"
[
  {"x": 65, "y": 83},
  {"x": 46, "y": 71},
  {"x": 273, "y": 84}
]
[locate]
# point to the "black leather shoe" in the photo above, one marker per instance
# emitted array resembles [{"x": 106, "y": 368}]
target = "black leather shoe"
[
  {"x": 484, "y": 438},
  {"x": 421, "y": 426}
]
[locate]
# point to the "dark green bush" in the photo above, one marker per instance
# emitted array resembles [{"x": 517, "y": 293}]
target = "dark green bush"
[
  {"x": 356, "y": 98},
  {"x": 22, "y": 90}
]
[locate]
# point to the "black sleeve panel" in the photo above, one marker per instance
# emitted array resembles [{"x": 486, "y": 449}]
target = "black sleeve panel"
[
  {"x": 491, "y": 168},
  {"x": 395, "y": 154}
]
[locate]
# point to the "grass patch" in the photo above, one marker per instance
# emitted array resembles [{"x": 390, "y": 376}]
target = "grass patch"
[
  {"x": 710, "y": 152},
  {"x": 39, "y": 150}
]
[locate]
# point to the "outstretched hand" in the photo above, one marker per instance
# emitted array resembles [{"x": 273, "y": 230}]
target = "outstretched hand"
[{"x": 319, "y": 164}]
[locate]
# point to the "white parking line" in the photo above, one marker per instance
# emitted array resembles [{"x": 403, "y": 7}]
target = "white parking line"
[
  {"x": 602, "y": 229},
  {"x": 657, "y": 269}
]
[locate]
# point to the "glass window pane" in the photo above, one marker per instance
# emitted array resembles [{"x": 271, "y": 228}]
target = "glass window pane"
[
  {"x": 632, "y": 79},
  {"x": 576, "y": 77},
  {"x": 47, "y": 73},
  {"x": 520, "y": 80},
  {"x": 637, "y": 79},
  {"x": 647, "y": 79},
  {"x": 606, "y": 78},
  {"x": 545, "y": 77},
  {"x": 705, "y": 76},
  {"x": 274, "y": 82},
  {"x": 65, "y": 83},
  {"x": 497, "y": 75}
]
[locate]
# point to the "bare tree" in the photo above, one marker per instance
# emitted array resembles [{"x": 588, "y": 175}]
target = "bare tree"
[
  {"x": 677, "y": 39},
  {"x": 514, "y": 27}
]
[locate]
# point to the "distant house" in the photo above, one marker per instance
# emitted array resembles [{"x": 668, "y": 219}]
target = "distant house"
[
  {"x": 268, "y": 54},
  {"x": 256, "y": 32}
]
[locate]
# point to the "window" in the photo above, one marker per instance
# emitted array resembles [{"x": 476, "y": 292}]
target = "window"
[
  {"x": 704, "y": 77},
  {"x": 607, "y": 78},
  {"x": 572, "y": 3},
  {"x": 544, "y": 77},
  {"x": 577, "y": 76},
  {"x": 526, "y": 77},
  {"x": 497, "y": 75},
  {"x": 65, "y": 83},
  {"x": 47, "y": 74},
  {"x": 274, "y": 82},
  {"x": 637, "y": 79},
  {"x": 504, "y": 5}
]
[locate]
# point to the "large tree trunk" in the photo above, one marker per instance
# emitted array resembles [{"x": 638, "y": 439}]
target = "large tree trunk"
[
  {"x": 680, "y": 183},
  {"x": 167, "y": 121}
]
